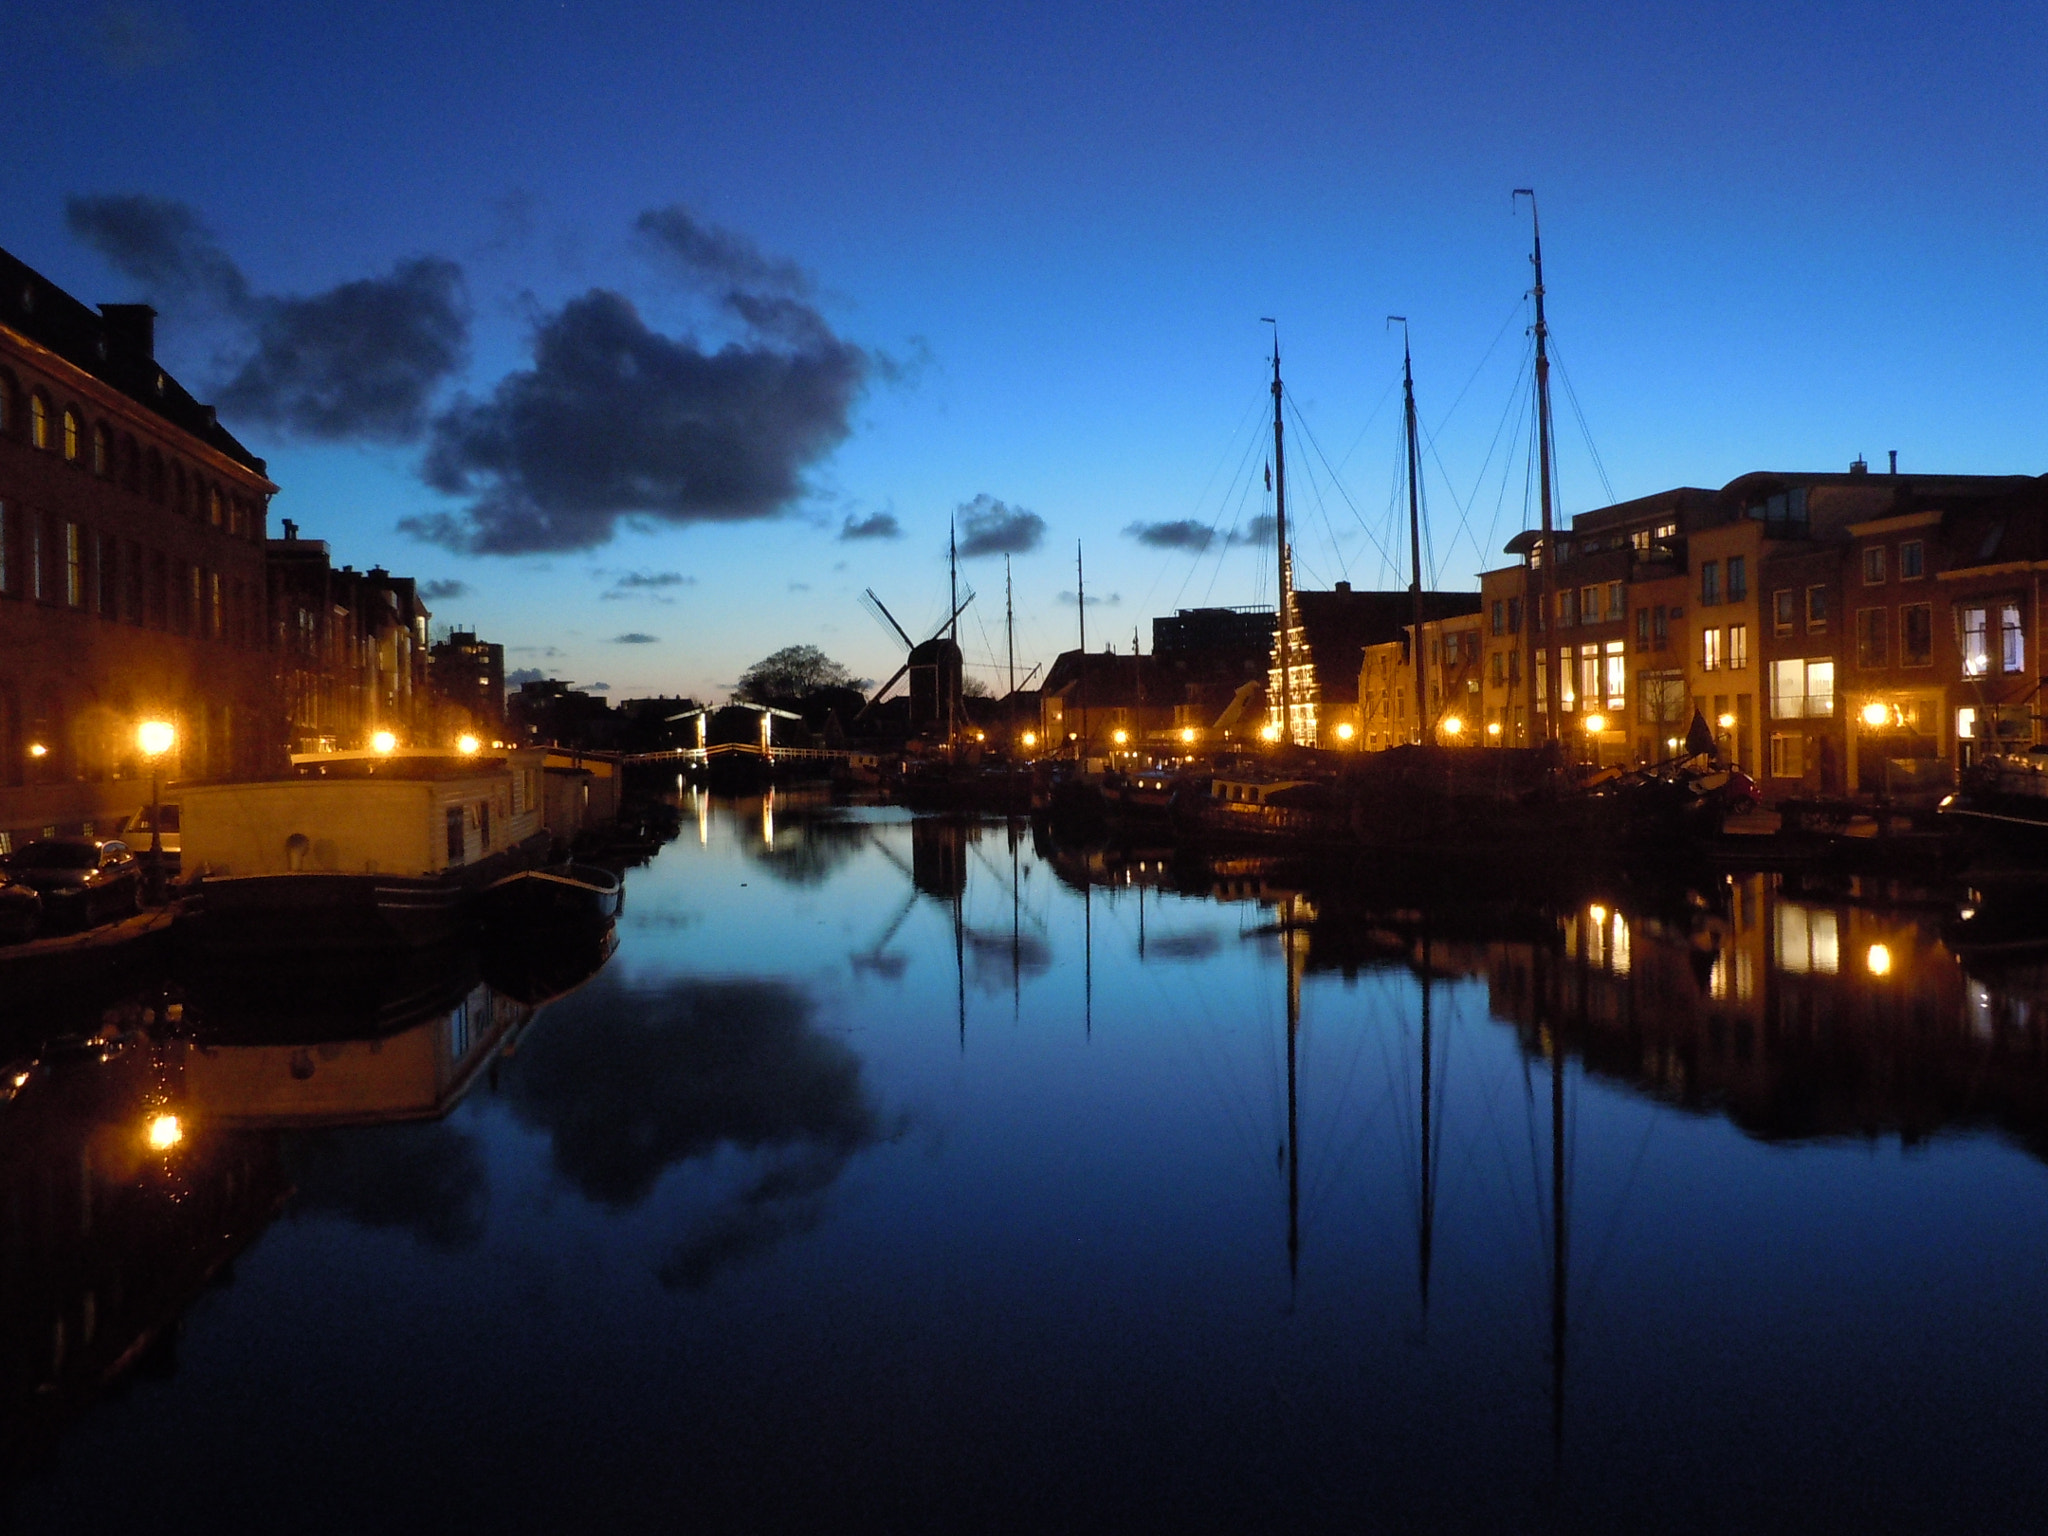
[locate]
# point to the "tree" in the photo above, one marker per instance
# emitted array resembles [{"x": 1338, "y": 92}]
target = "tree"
[{"x": 794, "y": 672}]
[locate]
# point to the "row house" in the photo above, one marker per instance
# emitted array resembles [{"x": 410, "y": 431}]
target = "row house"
[
  {"x": 1453, "y": 665},
  {"x": 131, "y": 569},
  {"x": 1328, "y": 641},
  {"x": 351, "y": 651}
]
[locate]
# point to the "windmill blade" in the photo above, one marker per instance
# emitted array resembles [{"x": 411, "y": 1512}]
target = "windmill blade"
[
  {"x": 871, "y": 703},
  {"x": 954, "y": 615},
  {"x": 874, "y": 604}
]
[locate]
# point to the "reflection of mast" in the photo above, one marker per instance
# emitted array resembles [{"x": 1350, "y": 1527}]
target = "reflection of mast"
[
  {"x": 1290, "y": 947},
  {"x": 1087, "y": 953},
  {"x": 1016, "y": 936},
  {"x": 960, "y": 953},
  {"x": 1426, "y": 1234},
  {"x": 1559, "y": 1223}
]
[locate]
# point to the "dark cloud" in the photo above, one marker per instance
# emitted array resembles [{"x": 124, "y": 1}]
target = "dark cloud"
[
  {"x": 616, "y": 420},
  {"x": 638, "y": 579},
  {"x": 132, "y": 39},
  {"x": 428, "y": 1179},
  {"x": 707, "y": 254},
  {"x": 634, "y": 637},
  {"x": 358, "y": 361},
  {"x": 520, "y": 675},
  {"x": 626, "y": 1084},
  {"x": 799, "y": 586},
  {"x": 986, "y": 526},
  {"x": 1195, "y": 944},
  {"x": 1095, "y": 600},
  {"x": 1260, "y": 530},
  {"x": 1182, "y": 533},
  {"x": 876, "y": 525},
  {"x": 437, "y": 591},
  {"x": 598, "y": 687}
]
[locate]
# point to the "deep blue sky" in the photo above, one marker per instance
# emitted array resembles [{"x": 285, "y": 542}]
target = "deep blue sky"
[{"x": 1775, "y": 237}]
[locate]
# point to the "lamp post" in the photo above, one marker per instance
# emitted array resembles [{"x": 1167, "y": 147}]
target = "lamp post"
[{"x": 155, "y": 738}]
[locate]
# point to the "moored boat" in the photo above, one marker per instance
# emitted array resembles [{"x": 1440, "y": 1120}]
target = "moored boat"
[{"x": 559, "y": 896}]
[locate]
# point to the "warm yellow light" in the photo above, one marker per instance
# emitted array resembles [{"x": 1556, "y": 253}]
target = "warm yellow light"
[
  {"x": 1344, "y": 731},
  {"x": 981, "y": 736},
  {"x": 383, "y": 741},
  {"x": 468, "y": 746},
  {"x": 1453, "y": 726},
  {"x": 1727, "y": 722},
  {"x": 164, "y": 1132},
  {"x": 1270, "y": 732},
  {"x": 155, "y": 737},
  {"x": 1119, "y": 737},
  {"x": 1187, "y": 734},
  {"x": 1878, "y": 961},
  {"x": 1493, "y": 727},
  {"x": 1598, "y": 913},
  {"x": 37, "y": 749},
  {"x": 1031, "y": 738},
  {"x": 1875, "y": 714},
  {"x": 1671, "y": 742},
  {"x": 1595, "y": 724}
]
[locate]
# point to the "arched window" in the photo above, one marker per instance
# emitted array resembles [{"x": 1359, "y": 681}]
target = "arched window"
[
  {"x": 178, "y": 489},
  {"x": 213, "y": 505},
  {"x": 71, "y": 443},
  {"x": 102, "y": 451},
  {"x": 131, "y": 464},
  {"x": 6, "y": 403},
  {"x": 38, "y": 420},
  {"x": 156, "y": 476}
]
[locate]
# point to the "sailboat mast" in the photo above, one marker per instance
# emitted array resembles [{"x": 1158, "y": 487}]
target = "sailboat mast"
[
  {"x": 952, "y": 684},
  {"x": 1081, "y": 608},
  {"x": 1552, "y": 654},
  {"x": 1286, "y": 612},
  {"x": 1414, "y": 533},
  {"x": 1010, "y": 625}
]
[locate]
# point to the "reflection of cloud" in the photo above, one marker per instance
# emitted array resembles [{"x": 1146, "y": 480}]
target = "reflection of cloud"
[
  {"x": 1194, "y": 944},
  {"x": 630, "y": 1083},
  {"x": 990, "y": 958},
  {"x": 807, "y": 852},
  {"x": 427, "y": 1178}
]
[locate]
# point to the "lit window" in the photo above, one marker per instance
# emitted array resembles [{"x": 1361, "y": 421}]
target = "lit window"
[
  {"x": 1617, "y": 676},
  {"x": 38, "y": 421},
  {"x": 1976, "y": 642},
  {"x": 1589, "y": 676},
  {"x": 1710, "y": 650},
  {"x": 1802, "y": 688},
  {"x": 1738, "y": 647},
  {"x": 1787, "y": 757},
  {"x": 74, "y": 566},
  {"x": 2012, "y": 640},
  {"x": 71, "y": 436}
]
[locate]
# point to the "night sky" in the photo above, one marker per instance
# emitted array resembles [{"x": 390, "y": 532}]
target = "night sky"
[{"x": 652, "y": 334}]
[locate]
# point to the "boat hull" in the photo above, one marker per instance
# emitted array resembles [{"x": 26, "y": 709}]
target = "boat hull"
[{"x": 583, "y": 896}]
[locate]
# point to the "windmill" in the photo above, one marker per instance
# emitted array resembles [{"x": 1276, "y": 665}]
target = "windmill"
[{"x": 933, "y": 666}]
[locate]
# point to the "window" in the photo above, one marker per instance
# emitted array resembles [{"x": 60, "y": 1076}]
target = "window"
[
  {"x": 1514, "y": 615},
  {"x": 1589, "y": 605},
  {"x": 1808, "y": 939},
  {"x": 1870, "y": 637},
  {"x": 1912, "y": 560},
  {"x": 1617, "y": 676},
  {"x": 2012, "y": 639},
  {"x": 1976, "y": 642},
  {"x": 71, "y": 445},
  {"x": 1642, "y": 629},
  {"x": 1873, "y": 566},
  {"x": 1710, "y": 583},
  {"x": 1660, "y": 628},
  {"x": 1589, "y": 675},
  {"x": 1710, "y": 650},
  {"x": 1787, "y": 757},
  {"x": 1639, "y": 541},
  {"x": 74, "y": 566},
  {"x": 1802, "y": 688},
  {"x": 107, "y": 593},
  {"x": 1567, "y": 680},
  {"x": 101, "y": 455},
  {"x": 1499, "y": 616},
  {"x": 213, "y": 505},
  {"x": 1817, "y": 608},
  {"x": 38, "y": 421},
  {"x": 1784, "y": 515},
  {"x": 1738, "y": 579},
  {"x": 1738, "y": 647},
  {"x": 1567, "y": 608},
  {"x": 1500, "y": 668},
  {"x": 216, "y": 624},
  {"x": 1617, "y": 601},
  {"x": 1782, "y": 610},
  {"x": 38, "y": 560},
  {"x": 1666, "y": 531},
  {"x": 1916, "y": 632}
]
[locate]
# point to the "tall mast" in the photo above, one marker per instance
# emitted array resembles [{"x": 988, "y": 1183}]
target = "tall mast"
[
  {"x": 1414, "y": 532},
  {"x": 1280, "y": 539},
  {"x": 952, "y": 628},
  {"x": 1010, "y": 626},
  {"x": 1546, "y": 575},
  {"x": 1081, "y": 608}
]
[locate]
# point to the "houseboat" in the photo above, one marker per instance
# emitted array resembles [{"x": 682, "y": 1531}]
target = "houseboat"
[{"x": 360, "y": 850}]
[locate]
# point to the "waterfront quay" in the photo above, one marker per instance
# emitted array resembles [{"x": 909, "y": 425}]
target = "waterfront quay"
[{"x": 922, "y": 1171}]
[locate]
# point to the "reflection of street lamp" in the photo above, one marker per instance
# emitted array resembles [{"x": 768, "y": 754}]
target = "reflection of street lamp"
[{"x": 156, "y": 737}]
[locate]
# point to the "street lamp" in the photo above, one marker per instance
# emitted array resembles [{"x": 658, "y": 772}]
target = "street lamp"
[
  {"x": 383, "y": 743},
  {"x": 468, "y": 746},
  {"x": 1031, "y": 738},
  {"x": 1453, "y": 726},
  {"x": 1344, "y": 731},
  {"x": 155, "y": 738}
]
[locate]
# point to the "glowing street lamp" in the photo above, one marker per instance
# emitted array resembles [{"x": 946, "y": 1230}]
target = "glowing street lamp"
[
  {"x": 1031, "y": 738},
  {"x": 1876, "y": 715},
  {"x": 1269, "y": 732},
  {"x": 384, "y": 743},
  {"x": 155, "y": 738},
  {"x": 468, "y": 745},
  {"x": 37, "y": 749},
  {"x": 1493, "y": 728},
  {"x": 1119, "y": 736},
  {"x": 1453, "y": 727},
  {"x": 1187, "y": 735},
  {"x": 163, "y": 1132},
  {"x": 1344, "y": 731},
  {"x": 1727, "y": 722},
  {"x": 1595, "y": 724},
  {"x": 1878, "y": 961}
]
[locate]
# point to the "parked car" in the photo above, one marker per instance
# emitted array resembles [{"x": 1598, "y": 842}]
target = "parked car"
[
  {"x": 21, "y": 911},
  {"x": 82, "y": 880},
  {"x": 136, "y": 835}
]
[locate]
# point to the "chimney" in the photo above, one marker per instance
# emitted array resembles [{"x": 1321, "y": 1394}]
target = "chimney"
[
  {"x": 1858, "y": 467},
  {"x": 1343, "y": 586},
  {"x": 1895, "y": 461},
  {"x": 131, "y": 330},
  {"x": 291, "y": 529}
]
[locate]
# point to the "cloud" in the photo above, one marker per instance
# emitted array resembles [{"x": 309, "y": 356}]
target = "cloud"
[
  {"x": 1194, "y": 944},
  {"x": 876, "y": 525},
  {"x": 645, "y": 584},
  {"x": 359, "y": 361},
  {"x": 132, "y": 39},
  {"x": 436, "y": 591},
  {"x": 707, "y": 254},
  {"x": 428, "y": 1179},
  {"x": 597, "y": 687},
  {"x": 1095, "y": 600},
  {"x": 987, "y": 526},
  {"x": 799, "y": 586},
  {"x": 616, "y": 420},
  {"x": 520, "y": 675},
  {"x": 1183, "y": 533},
  {"x": 1260, "y": 530},
  {"x": 634, "y": 637}
]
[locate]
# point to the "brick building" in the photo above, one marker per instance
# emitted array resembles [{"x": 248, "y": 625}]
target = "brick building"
[{"x": 131, "y": 568}]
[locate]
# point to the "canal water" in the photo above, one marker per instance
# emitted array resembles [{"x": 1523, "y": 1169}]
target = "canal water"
[{"x": 900, "y": 1174}]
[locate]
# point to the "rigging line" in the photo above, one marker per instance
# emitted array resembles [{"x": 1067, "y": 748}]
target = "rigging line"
[
  {"x": 1216, "y": 570},
  {"x": 1605, "y": 1250},
  {"x": 1519, "y": 403},
  {"x": 1202, "y": 500},
  {"x": 1584, "y": 431},
  {"x": 1322, "y": 509},
  {"x": 1513, "y": 310},
  {"x": 1369, "y": 420},
  {"x": 1222, "y": 547},
  {"x": 1338, "y": 483}
]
